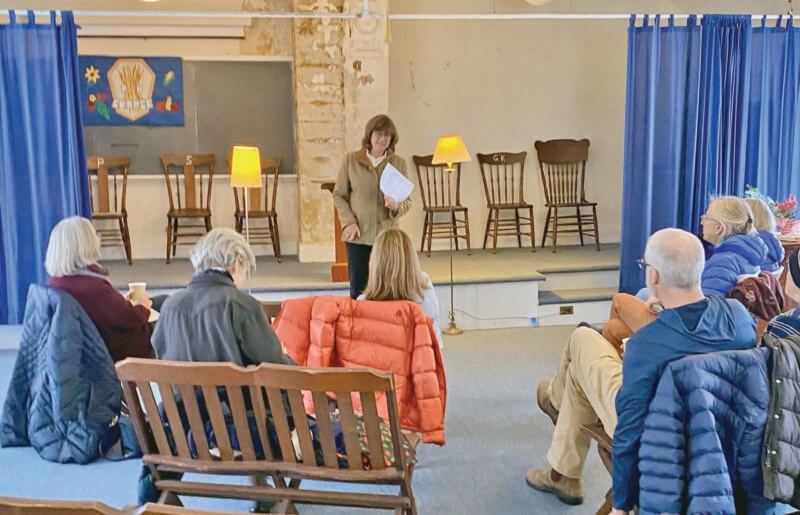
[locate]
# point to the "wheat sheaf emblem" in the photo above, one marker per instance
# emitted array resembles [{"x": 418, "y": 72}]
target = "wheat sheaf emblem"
[{"x": 131, "y": 77}]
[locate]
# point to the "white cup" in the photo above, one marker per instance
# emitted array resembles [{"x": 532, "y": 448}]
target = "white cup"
[{"x": 137, "y": 290}]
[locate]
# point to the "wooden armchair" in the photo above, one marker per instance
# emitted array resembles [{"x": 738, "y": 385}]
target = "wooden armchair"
[
  {"x": 563, "y": 166},
  {"x": 106, "y": 173},
  {"x": 251, "y": 414},
  {"x": 436, "y": 192},
  {"x": 503, "y": 175},
  {"x": 597, "y": 433},
  {"x": 261, "y": 211},
  {"x": 190, "y": 198}
]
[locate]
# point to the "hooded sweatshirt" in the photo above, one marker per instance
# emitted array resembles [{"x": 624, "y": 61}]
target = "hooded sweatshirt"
[
  {"x": 714, "y": 324},
  {"x": 771, "y": 263},
  {"x": 736, "y": 258}
]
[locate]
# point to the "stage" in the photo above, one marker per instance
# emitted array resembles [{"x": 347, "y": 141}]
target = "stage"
[{"x": 512, "y": 288}]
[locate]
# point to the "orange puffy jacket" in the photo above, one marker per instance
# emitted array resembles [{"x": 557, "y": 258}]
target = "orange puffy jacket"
[{"x": 391, "y": 336}]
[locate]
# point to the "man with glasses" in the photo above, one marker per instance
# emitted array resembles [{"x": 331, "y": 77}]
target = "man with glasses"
[{"x": 593, "y": 382}]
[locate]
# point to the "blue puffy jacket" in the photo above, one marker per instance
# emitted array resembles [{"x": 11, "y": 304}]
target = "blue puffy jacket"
[
  {"x": 771, "y": 263},
  {"x": 701, "y": 446},
  {"x": 64, "y": 390},
  {"x": 739, "y": 255}
]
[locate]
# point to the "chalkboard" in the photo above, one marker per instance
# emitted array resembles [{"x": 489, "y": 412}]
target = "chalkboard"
[{"x": 226, "y": 103}]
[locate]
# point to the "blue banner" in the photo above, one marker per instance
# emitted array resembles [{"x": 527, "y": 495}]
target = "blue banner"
[{"x": 131, "y": 90}]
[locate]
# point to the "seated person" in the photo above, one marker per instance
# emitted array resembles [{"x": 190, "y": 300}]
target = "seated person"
[
  {"x": 211, "y": 319},
  {"x": 788, "y": 324},
  {"x": 738, "y": 254},
  {"x": 394, "y": 274},
  {"x": 593, "y": 382},
  {"x": 71, "y": 261},
  {"x": 764, "y": 224}
]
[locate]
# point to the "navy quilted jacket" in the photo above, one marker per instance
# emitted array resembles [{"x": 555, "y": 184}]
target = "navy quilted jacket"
[
  {"x": 64, "y": 390},
  {"x": 701, "y": 446},
  {"x": 739, "y": 255}
]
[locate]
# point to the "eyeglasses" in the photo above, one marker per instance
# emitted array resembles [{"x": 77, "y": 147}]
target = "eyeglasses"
[
  {"x": 642, "y": 264},
  {"x": 704, "y": 218}
]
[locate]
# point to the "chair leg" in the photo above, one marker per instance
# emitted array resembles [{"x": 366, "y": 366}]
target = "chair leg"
[
  {"x": 580, "y": 223},
  {"x": 169, "y": 238},
  {"x": 466, "y": 230},
  {"x": 169, "y": 498},
  {"x": 207, "y": 220},
  {"x": 546, "y": 225},
  {"x": 126, "y": 238},
  {"x": 533, "y": 230},
  {"x": 453, "y": 228},
  {"x": 555, "y": 230},
  {"x": 494, "y": 233},
  {"x": 596, "y": 230},
  {"x": 276, "y": 238},
  {"x": 519, "y": 228},
  {"x": 607, "y": 505},
  {"x": 424, "y": 232},
  {"x": 175, "y": 227},
  {"x": 486, "y": 232},
  {"x": 430, "y": 234}
]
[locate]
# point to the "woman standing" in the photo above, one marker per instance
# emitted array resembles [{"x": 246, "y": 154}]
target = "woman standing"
[{"x": 363, "y": 209}]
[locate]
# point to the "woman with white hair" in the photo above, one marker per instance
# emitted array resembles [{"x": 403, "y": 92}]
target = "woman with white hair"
[
  {"x": 71, "y": 262},
  {"x": 211, "y": 319}
]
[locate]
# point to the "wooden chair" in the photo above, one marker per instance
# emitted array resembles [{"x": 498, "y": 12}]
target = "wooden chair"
[
  {"x": 193, "y": 174},
  {"x": 250, "y": 395},
  {"x": 271, "y": 310},
  {"x": 597, "y": 433},
  {"x": 503, "y": 175},
  {"x": 269, "y": 234},
  {"x": 109, "y": 172},
  {"x": 433, "y": 187},
  {"x": 19, "y": 506},
  {"x": 563, "y": 166}
]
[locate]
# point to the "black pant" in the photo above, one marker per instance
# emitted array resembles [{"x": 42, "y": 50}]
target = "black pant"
[{"x": 357, "y": 267}]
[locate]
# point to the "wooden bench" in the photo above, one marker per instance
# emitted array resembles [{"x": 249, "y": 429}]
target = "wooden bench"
[
  {"x": 597, "y": 433},
  {"x": 276, "y": 390},
  {"x": 19, "y": 506}
]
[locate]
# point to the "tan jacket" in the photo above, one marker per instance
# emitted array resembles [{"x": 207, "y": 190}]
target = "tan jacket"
[{"x": 358, "y": 198}]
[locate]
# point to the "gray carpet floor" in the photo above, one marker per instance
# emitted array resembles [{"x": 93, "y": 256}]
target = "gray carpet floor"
[
  {"x": 508, "y": 264},
  {"x": 494, "y": 433}
]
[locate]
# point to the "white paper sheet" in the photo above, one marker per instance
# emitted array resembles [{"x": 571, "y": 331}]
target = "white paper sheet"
[{"x": 394, "y": 184}]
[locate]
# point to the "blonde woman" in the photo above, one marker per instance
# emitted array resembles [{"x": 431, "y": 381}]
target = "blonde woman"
[
  {"x": 764, "y": 224},
  {"x": 363, "y": 210},
  {"x": 71, "y": 262},
  {"x": 738, "y": 254},
  {"x": 394, "y": 274}
]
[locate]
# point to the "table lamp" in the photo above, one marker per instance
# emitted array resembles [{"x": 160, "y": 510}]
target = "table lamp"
[
  {"x": 246, "y": 173},
  {"x": 450, "y": 150}
]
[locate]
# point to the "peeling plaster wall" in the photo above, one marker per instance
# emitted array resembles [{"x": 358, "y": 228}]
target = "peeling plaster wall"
[{"x": 341, "y": 80}]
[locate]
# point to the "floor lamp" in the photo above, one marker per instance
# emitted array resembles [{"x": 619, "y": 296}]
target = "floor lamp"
[
  {"x": 451, "y": 150},
  {"x": 246, "y": 173}
]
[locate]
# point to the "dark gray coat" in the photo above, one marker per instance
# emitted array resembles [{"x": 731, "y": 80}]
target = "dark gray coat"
[
  {"x": 211, "y": 320},
  {"x": 782, "y": 435}
]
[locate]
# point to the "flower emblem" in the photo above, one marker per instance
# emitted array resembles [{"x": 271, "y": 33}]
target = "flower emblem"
[{"x": 92, "y": 75}]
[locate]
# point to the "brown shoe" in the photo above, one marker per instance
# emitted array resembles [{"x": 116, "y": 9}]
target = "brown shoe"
[
  {"x": 568, "y": 490},
  {"x": 543, "y": 399}
]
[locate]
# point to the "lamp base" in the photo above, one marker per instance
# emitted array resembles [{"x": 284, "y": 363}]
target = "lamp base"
[{"x": 453, "y": 330}]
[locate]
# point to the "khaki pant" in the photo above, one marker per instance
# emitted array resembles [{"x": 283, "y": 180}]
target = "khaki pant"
[
  {"x": 583, "y": 390},
  {"x": 628, "y": 315}
]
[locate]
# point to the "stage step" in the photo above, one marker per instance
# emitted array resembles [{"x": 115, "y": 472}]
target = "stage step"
[
  {"x": 547, "y": 297},
  {"x": 577, "y": 279}
]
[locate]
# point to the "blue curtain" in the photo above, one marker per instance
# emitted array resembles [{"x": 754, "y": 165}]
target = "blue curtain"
[
  {"x": 42, "y": 160},
  {"x": 773, "y": 146},
  {"x": 687, "y": 131},
  {"x": 660, "y": 124}
]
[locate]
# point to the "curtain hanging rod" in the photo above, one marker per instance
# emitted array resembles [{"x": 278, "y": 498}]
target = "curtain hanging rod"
[{"x": 365, "y": 13}]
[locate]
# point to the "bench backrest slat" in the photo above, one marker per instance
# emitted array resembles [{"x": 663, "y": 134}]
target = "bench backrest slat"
[
  {"x": 325, "y": 429},
  {"x": 175, "y": 422},
  {"x": 243, "y": 435}
]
